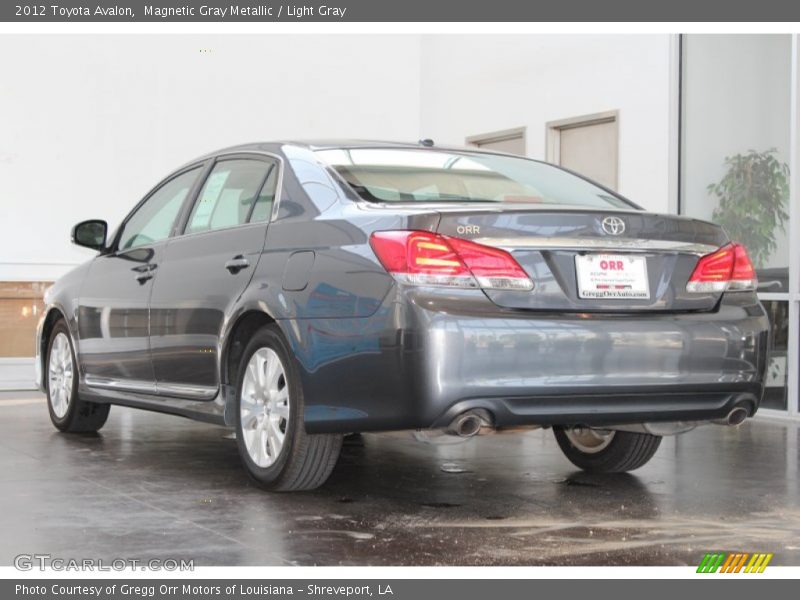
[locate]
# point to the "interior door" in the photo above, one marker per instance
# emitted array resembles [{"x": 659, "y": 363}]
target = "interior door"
[
  {"x": 588, "y": 145},
  {"x": 591, "y": 150},
  {"x": 205, "y": 270},
  {"x": 511, "y": 141},
  {"x": 113, "y": 313}
]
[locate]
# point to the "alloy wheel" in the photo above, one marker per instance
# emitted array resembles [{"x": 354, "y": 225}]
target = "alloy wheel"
[
  {"x": 264, "y": 407},
  {"x": 60, "y": 372}
]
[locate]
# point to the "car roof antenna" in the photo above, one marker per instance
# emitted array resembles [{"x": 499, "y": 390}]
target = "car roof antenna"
[{"x": 427, "y": 142}]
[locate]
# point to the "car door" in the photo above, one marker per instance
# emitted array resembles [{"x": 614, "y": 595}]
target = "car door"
[
  {"x": 206, "y": 269},
  {"x": 113, "y": 312}
]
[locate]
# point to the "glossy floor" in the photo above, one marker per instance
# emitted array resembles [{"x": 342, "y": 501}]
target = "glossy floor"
[{"x": 153, "y": 486}]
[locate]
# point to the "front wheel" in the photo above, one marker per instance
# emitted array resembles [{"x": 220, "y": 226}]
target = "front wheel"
[
  {"x": 603, "y": 451},
  {"x": 68, "y": 412},
  {"x": 270, "y": 433}
]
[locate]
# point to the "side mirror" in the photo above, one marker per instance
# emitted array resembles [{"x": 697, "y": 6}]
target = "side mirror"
[{"x": 90, "y": 234}]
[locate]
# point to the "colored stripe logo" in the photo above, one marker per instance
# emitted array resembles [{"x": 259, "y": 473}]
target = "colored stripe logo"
[{"x": 734, "y": 562}]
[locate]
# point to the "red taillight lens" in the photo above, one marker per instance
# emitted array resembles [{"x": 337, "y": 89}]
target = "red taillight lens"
[
  {"x": 713, "y": 271},
  {"x": 421, "y": 258},
  {"x": 729, "y": 268},
  {"x": 425, "y": 258},
  {"x": 743, "y": 271},
  {"x": 494, "y": 268}
]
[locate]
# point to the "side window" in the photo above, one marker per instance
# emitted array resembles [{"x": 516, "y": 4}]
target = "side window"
[
  {"x": 228, "y": 195},
  {"x": 263, "y": 207},
  {"x": 154, "y": 219}
]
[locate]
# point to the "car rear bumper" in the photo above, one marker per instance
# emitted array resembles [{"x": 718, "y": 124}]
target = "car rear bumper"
[
  {"x": 612, "y": 406},
  {"x": 427, "y": 356}
]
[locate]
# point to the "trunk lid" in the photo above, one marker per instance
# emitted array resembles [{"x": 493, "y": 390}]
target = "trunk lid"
[{"x": 655, "y": 255}]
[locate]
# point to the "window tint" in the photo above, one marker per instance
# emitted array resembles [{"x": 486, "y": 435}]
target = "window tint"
[
  {"x": 228, "y": 195},
  {"x": 154, "y": 219},
  {"x": 263, "y": 207},
  {"x": 419, "y": 175}
]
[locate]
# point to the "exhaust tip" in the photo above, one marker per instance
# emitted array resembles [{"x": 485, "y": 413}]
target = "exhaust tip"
[
  {"x": 736, "y": 416},
  {"x": 469, "y": 424}
]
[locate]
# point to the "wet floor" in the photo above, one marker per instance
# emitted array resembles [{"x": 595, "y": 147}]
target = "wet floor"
[{"x": 156, "y": 486}]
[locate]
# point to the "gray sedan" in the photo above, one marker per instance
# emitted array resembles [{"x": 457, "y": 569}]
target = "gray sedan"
[{"x": 298, "y": 292}]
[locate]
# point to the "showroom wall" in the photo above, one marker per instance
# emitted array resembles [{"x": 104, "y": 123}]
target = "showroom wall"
[
  {"x": 164, "y": 99},
  {"x": 90, "y": 123},
  {"x": 145, "y": 104},
  {"x": 478, "y": 84},
  {"x": 737, "y": 100}
]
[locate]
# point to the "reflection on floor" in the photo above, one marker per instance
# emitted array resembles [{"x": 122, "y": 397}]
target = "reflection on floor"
[{"x": 153, "y": 486}]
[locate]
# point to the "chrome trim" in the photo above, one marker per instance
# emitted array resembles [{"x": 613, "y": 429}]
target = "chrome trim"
[
  {"x": 122, "y": 385},
  {"x": 194, "y": 392},
  {"x": 172, "y": 390},
  {"x": 192, "y": 165},
  {"x": 576, "y": 243},
  {"x": 613, "y": 225}
]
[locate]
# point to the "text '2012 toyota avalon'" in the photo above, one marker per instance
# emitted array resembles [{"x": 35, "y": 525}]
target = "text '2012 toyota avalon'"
[{"x": 302, "y": 291}]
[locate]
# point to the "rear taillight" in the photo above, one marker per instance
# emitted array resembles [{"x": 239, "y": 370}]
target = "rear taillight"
[
  {"x": 727, "y": 269},
  {"x": 425, "y": 258}
]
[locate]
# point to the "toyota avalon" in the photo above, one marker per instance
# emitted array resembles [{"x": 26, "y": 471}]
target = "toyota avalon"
[{"x": 298, "y": 292}]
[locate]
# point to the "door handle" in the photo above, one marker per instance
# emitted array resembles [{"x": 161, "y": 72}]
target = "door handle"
[
  {"x": 236, "y": 264},
  {"x": 145, "y": 273}
]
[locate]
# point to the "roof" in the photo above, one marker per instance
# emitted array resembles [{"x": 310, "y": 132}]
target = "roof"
[
  {"x": 336, "y": 143},
  {"x": 274, "y": 146}
]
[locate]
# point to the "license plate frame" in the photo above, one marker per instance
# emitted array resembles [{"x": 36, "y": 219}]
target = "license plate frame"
[{"x": 605, "y": 276}]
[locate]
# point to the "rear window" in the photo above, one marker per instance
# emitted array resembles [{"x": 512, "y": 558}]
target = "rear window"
[{"x": 422, "y": 175}]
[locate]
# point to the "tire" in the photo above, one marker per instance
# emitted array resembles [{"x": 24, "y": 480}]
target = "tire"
[
  {"x": 269, "y": 406},
  {"x": 67, "y": 411},
  {"x": 619, "y": 452}
]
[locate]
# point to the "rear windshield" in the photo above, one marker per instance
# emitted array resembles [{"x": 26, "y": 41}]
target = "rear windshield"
[{"x": 422, "y": 175}]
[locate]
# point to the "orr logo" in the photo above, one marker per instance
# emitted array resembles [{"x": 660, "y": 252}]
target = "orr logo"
[{"x": 734, "y": 562}]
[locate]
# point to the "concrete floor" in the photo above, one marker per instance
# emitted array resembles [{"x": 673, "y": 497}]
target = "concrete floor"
[{"x": 154, "y": 486}]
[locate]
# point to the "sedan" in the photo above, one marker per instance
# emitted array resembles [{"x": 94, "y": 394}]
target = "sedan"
[{"x": 299, "y": 292}]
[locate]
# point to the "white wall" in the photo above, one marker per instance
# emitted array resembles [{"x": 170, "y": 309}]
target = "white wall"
[
  {"x": 479, "y": 84},
  {"x": 89, "y": 123},
  {"x": 736, "y": 98}
]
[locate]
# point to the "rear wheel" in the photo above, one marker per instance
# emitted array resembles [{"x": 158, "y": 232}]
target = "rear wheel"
[
  {"x": 603, "y": 451},
  {"x": 270, "y": 431},
  {"x": 67, "y": 411}
]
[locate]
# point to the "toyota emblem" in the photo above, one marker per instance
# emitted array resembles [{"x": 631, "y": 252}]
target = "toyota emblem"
[{"x": 613, "y": 226}]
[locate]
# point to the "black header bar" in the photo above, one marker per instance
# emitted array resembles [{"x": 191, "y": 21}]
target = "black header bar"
[{"x": 463, "y": 11}]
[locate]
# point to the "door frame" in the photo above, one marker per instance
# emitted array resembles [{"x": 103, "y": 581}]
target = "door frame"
[
  {"x": 200, "y": 391},
  {"x": 553, "y": 131},
  {"x": 500, "y": 136}
]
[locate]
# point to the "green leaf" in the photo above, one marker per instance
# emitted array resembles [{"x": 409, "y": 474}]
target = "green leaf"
[{"x": 751, "y": 200}]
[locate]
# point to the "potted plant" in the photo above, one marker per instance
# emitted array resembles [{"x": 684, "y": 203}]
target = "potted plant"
[{"x": 752, "y": 196}]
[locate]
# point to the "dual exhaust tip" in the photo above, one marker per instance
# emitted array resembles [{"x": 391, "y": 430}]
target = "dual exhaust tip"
[{"x": 478, "y": 421}]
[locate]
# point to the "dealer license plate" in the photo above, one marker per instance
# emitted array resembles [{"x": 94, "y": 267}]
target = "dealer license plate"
[{"x": 618, "y": 276}]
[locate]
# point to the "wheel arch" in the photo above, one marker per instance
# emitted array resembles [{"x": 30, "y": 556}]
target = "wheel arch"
[
  {"x": 233, "y": 344},
  {"x": 53, "y": 314}
]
